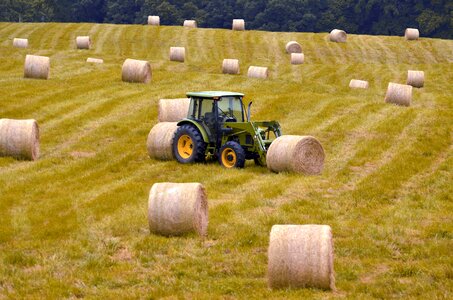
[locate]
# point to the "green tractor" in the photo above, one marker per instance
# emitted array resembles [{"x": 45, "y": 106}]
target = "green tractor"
[{"x": 218, "y": 126}]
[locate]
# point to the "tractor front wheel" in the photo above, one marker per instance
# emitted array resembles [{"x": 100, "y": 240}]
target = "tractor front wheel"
[
  {"x": 188, "y": 145},
  {"x": 231, "y": 155}
]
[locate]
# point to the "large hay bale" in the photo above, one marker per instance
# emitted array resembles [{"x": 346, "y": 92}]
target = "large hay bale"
[
  {"x": 411, "y": 34},
  {"x": 297, "y": 58},
  {"x": 293, "y": 153},
  {"x": 37, "y": 67},
  {"x": 238, "y": 24},
  {"x": 415, "y": 78},
  {"x": 154, "y": 20},
  {"x": 136, "y": 71},
  {"x": 338, "y": 36},
  {"x": 83, "y": 42},
  {"x": 177, "y": 54},
  {"x": 95, "y": 60},
  {"x": 293, "y": 47},
  {"x": 160, "y": 140},
  {"x": 400, "y": 94},
  {"x": 230, "y": 66},
  {"x": 358, "y": 84},
  {"x": 20, "y": 43},
  {"x": 190, "y": 23},
  {"x": 301, "y": 256},
  {"x": 178, "y": 208},
  {"x": 258, "y": 72},
  {"x": 173, "y": 110},
  {"x": 19, "y": 139}
]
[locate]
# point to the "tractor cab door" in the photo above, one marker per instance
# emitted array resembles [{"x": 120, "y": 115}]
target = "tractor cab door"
[
  {"x": 202, "y": 110},
  {"x": 209, "y": 117}
]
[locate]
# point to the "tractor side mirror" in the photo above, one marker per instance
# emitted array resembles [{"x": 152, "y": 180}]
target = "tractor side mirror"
[{"x": 249, "y": 111}]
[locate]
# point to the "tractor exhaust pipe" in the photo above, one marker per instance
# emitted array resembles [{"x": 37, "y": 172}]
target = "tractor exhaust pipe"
[{"x": 249, "y": 111}]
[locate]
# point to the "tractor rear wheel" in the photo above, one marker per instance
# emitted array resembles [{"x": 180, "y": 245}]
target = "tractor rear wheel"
[
  {"x": 232, "y": 155},
  {"x": 188, "y": 145}
]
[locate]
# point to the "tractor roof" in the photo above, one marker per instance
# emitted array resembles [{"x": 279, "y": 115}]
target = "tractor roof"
[{"x": 214, "y": 94}]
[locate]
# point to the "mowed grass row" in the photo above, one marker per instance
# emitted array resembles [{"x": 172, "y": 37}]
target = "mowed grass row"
[{"x": 74, "y": 222}]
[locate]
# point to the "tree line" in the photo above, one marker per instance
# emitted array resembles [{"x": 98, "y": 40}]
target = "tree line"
[{"x": 434, "y": 18}]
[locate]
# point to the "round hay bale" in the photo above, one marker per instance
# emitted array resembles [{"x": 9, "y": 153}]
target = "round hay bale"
[
  {"x": 358, "y": 84},
  {"x": 19, "y": 139},
  {"x": 190, "y": 23},
  {"x": 83, "y": 42},
  {"x": 238, "y": 24},
  {"x": 136, "y": 71},
  {"x": 95, "y": 60},
  {"x": 293, "y": 153},
  {"x": 178, "y": 208},
  {"x": 258, "y": 72},
  {"x": 37, "y": 67},
  {"x": 20, "y": 43},
  {"x": 177, "y": 54},
  {"x": 160, "y": 139},
  {"x": 400, "y": 94},
  {"x": 173, "y": 110},
  {"x": 297, "y": 58},
  {"x": 338, "y": 36},
  {"x": 154, "y": 20},
  {"x": 301, "y": 256},
  {"x": 230, "y": 66},
  {"x": 416, "y": 78},
  {"x": 411, "y": 34},
  {"x": 293, "y": 47}
]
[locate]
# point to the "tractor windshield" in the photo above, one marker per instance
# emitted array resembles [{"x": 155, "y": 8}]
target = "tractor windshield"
[{"x": 231, "y": 107}]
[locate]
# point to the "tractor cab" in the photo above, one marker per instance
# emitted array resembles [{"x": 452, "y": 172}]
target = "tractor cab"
[
  {"x": 218, "y": 126},
  {"x": 213, "y": 109}
]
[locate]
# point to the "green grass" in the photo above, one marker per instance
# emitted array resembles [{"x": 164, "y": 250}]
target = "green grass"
[{"x": 75, "y": 225}]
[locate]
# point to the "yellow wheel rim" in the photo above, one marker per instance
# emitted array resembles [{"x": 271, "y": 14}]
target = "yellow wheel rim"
[
  {"x": 185, "y": 146},
  {"x": 229, "y": 158}
]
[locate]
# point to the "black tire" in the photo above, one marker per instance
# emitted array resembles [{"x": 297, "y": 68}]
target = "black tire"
[
  {"x": 197, "y": 146},
  {"x": 232, "y": 155}
]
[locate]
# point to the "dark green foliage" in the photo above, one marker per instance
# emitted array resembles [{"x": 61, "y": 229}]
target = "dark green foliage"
[
  {"x": 121, "y": 12},
  {"x": 26, "y": 10},
  {"x": 434, "y": 18},
  {"x": 89, "y": 10}
]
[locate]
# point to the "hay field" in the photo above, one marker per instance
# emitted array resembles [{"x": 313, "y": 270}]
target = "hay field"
[{"x": 74, "y": 223}]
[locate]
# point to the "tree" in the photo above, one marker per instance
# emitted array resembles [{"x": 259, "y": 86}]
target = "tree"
[
  {"x": 221, "y": 13},
  {"x": 26, "y": 10},
  {"x": 432, "y": 17},
  {"x": 121, "y": 12},
  {"x": 89, "y": 10}
]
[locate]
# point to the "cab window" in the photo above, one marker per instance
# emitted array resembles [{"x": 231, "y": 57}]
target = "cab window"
[
  {"x": 199, "y": 107},
  {"x": 193, "y": 108},
  {"x": 206, "y": 106},
  {"x": 231, "y": 106}
]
